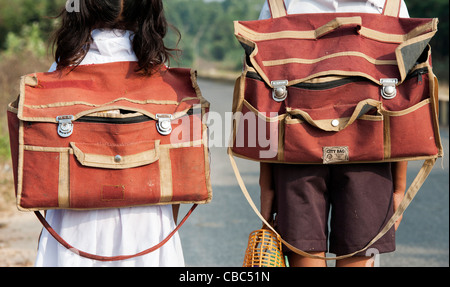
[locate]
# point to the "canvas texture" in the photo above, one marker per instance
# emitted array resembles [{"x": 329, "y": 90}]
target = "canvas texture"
[
  {"x": 336, "y": 88},
  {"x": 334, "y": 68},
  {"x": 115, "y": 156}
]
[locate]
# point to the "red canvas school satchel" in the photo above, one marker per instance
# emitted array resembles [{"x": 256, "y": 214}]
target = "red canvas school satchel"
[
  {"x": 103, "y": 136},
  {"x": 335, "y": 88}
]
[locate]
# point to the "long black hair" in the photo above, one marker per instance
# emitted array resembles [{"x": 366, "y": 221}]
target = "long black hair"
[{"x": 71, "y": 41}]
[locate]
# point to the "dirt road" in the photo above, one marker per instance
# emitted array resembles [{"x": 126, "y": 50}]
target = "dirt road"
[{"x": 216, "y": 234}]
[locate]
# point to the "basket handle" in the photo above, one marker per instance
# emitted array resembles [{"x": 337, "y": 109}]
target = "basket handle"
[
  {"x": 409, "y": 196},
  {"x": 112, "y": 258}
]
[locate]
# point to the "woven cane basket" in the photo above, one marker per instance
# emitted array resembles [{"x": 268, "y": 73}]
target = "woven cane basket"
[{"x": 264, "y": 250}]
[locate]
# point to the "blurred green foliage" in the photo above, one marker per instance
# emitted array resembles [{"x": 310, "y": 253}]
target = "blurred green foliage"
[
  {"x": 206, "y": 27},
  {"x": 29, "y": 39},
  {"x": 14, "y": 15},
  {"x": 435, "y": 9}
]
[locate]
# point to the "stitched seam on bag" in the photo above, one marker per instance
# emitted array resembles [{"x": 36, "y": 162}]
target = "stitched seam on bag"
[
  {"x": 327, "y": 57},
  {"x": 312, "y": 34},
  {"x": 74, "y": 103},
  {"x": 408, "y": 110}
]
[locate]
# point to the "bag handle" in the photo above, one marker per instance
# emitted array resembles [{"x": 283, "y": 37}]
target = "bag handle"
[
  {"x": 392, "y": 8},
  {"x": 361, "y": 109},
  {"x": 112, "y": 258},
  {"x": 409, "y": 196},
  {"x": 277, "y": 8}
]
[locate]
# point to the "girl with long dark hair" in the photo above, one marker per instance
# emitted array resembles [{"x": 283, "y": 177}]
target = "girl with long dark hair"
[{"x": 105, "y": 31}]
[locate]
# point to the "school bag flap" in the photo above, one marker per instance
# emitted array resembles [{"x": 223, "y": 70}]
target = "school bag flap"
[
  {"x": 116, "y": 156},
  {"x": 300, "y": 47},
  {"x": 89, "y": 89}
]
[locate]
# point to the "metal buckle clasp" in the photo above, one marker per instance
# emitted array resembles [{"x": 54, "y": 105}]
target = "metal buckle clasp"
[
  {"x": 164, "y": 124},
  {"x": 65, "y": 126},
  {"x": 389, "y": 89},
  {"x": 280, "y": 91}
]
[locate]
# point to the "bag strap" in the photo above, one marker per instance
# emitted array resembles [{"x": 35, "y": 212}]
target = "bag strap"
[
  {"x": 392, "y": 8},
  {"x": 409, "y": 196},
  {"x": 277, "y": 8},
  {"x": 112, "y": 258}
]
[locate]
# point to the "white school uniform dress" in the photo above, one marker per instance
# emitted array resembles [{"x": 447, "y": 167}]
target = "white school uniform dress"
[
  {"x": 111, "y": 232},
  {"x": 333, "y": 6}
]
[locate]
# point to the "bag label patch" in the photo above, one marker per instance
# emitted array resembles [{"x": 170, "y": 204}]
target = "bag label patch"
[{"x": 335, "y": 154}]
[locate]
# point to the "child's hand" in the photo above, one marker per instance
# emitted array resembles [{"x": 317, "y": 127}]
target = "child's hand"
[
  {"x": 267, "y": 196},
  {"x": 267, "y": 193},
  {"x": 398, "y": 197},
  {"x": 399, "y": 173}
]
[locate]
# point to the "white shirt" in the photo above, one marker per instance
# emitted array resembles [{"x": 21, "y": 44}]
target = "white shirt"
[
  {"x": 111, "y": 232},
  {"x": 333, "y": 6}
]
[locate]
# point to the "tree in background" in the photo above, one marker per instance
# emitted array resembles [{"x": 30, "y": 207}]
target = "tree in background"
[
  {"x": 206, "y": 26},
  {"x": 435, "y": 9},
  {"x": 207, "y": 29},
  {"x": 14, "y": 15},
  {"x": 208, "y": 32}
]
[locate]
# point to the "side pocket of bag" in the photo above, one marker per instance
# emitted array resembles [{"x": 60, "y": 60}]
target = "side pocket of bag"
[
  {"x": 257, "y": 135},
  {"x": 45, "y": 178},
  {"x": 114, "y": 175},
  {"x": 257, "y": 122},
  {"x": 410, "y": 132},
  {"x": 361, "y": 141},
  {"x": 13, "y": 128}
]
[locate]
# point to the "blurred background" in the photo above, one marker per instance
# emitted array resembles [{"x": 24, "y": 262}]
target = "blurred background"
[{"x": 208, "y": 45}]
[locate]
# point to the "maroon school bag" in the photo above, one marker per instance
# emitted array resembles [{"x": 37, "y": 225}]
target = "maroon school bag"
[{"x": 335, "y": 88}]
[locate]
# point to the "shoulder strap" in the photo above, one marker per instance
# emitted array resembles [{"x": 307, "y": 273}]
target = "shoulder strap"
[
  {"x": 113, "y": 258},
  {"x": 409, "y": 196},
  {"x": 392, "y": 8},
  {"x": 277, "y": 8}
]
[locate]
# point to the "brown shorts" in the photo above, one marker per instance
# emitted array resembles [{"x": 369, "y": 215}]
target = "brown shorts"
[{"x": 360, "y": 198}]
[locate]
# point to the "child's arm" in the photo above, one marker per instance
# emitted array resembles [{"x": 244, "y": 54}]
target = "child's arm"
[
  {"x": 175, "y": 210},
  {"x": 267, "y": 191},
  {"x": 399, "y": 172}
]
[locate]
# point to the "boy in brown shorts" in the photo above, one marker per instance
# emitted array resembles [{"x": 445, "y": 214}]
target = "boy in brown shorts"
[{"x": 361, "y": 197}]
